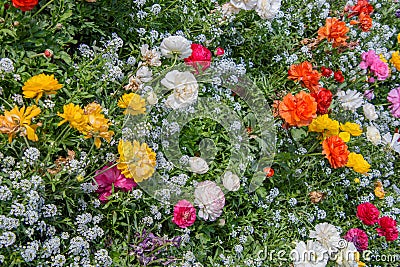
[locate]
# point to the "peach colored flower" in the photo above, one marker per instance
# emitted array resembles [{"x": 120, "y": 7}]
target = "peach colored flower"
[
  {"x": 335, "y": 150},
  {"x": 334, "y": 31},
  {"x": 298, "y": 110}
]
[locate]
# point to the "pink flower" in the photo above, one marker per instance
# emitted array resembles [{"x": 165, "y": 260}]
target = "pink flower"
[
  {"x": 106, "y": 177},
  {"x": 358, "y": 237},
  {"x": 368, "y": 213},
  {"x": 184, "y": 214},
  {"x": 368, "y": 59},
  {"x": 219, "y": 51},
  {"x": 394, "y": 98},
  {"x": 369, "y": 94},
  {"x": 200, "y": 55},
  {"x": 388, "y": 228},
  {"x": 380, "y": 69},
  {"x": 210, "y": 199}
]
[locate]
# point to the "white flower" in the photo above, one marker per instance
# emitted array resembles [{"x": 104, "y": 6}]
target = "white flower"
[
  {"x": 152, "y": 98},
  {"x": 373, "y": 135},
  {"x": 369, "y": 111},
  {"x": 267, "y": 9},
  {"x": 176, "y": 45},
  {"x": 348, "y": 256},
  {"x": 393, "y": 142},
  {"x": 210, "y": 199},
  {"x": 310, "y": 254},
  {"x": 350, "y": 99},
  {"x": 150, "y": 57},
  {"x": 185, "y": 89},
  {"x": 231, "y": 181},
  {"x": 198, "y": 165},
  {"x": 228, "y": 9},
  {"x": 327, "y": 235},
  {"x": 144, "y": 74},
  {"x": 244, "y": 4}
]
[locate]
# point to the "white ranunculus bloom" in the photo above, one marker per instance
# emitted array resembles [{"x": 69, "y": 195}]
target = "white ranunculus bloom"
[
  {"x": 348, "y": 256},
  {"x": 150, "y": 57},
  {"x": 350, "y": 99},
  {"x": 244, "y": 4},
  {"x": 327, "y": 235},
  {"x": 210, "y": 199},
  {"x": 185, "y": 89},
  {"x": 152, "y": 98},
  {"x": 231, "y": 181},
  {"x": 392, "y": 141},
  {"x": 369, "y": 111},
  {"x": 198, "y": 165},
  {"x": 373, "y": 135},
  {"x": 144, "y": 74},
  {"x": 267, "y": 9},
  {"x": 176, "y": 45},
  {"x": 310, "y": 254}
]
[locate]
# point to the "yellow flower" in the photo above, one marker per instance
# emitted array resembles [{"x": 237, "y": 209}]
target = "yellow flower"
[
  {"x": 39, "y": 84},
  {"x": 395, "y": 60},
  {"x": 379, "y": 192},
  {"x": 358, "y": 163},
  {"x": 136, "y": 160},
  {"x": 80, "y": 178},
  {"x": 345, "y": 136},
  {"x": 19, "y": 121},
  {"x": 323, "y": 124},
  {"x": 382, "y": 58},
  {"x": 398, "y": 38},
  {"x": 133, "y": 103},
  {"x": 357, "y": 180},
  {"x": 74, "y": 115},
  {"x": 352, "y": 128},
  {"x": 357, "y": 258}
]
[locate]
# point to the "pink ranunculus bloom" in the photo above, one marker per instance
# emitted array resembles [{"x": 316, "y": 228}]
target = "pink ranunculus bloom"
[
  {"x": 380, "y": 69},
  {"x": 368, "y": 58},
  {"x": 200, "y": 55},
  {"x": 394, "y": 98},
  {"x": 184, "y": 214},
  {"x": 368, "y": 213},
  {"x": 358, "y": 237},
  {"x": 388, "y": 228},
  {"x": 369, "y": 94},
  {"x": 219, "y": 51},
  {"x": 105, "y": 180}
]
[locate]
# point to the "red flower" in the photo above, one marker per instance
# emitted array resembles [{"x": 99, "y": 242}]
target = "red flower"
[
  {"x": 269, "y": 172},
  {"x": 327, "y": 72},
  {"x": 219, "y": 51},
  {"x": 200, "y": 55},
  {"x": 358, "y": 237},
  {"x": 184, "y": 214},
  {"x": 362, "y": 7},
  {"x": 368, "y": 213},
  {"x": 388, "y": 228},
  {"x": 324, "y": 99},
  {"x": 25, "y": 5},
  {"x": 338, "y": 76}
]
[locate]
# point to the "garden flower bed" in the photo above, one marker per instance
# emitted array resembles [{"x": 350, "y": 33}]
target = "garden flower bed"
[{"x": 199, "y": 133}]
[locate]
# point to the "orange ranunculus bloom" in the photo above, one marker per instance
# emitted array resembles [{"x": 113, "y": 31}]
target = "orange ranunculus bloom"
[
  {"x": 365, "y": 22},
  {"x": 304, "y": 73},
  {"x": 298, "y": 110},
  {"x": 25, "y": 5},
  {"x": 335, "y": 150},
  {"x": 363, "y": 6},
  {"x": 335, "y": 31}
]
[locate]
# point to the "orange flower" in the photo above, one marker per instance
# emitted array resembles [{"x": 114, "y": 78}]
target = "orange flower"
[
  {"x": 298, "y": 110},
  {"x": 304, "y": 73},
  {"x": 335, "y": 150},
  {"x": 365, "y": 22},
  {"x": 335, "y": 31},
  {"x": 362, "y": 7}
]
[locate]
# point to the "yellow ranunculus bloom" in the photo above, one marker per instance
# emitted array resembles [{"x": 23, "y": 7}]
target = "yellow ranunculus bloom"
[
  {"x": 39, "y": 85},
  {"x": 395, "y": 60},
  {"x": 133, "y": 104},
  {"x": 352, "y": 128},
  {"x": 74, "y": 115},
  {"x": 345, "y": 136},
  {"x": 136, "y": 161},
  {"x": 358, "y": 163},
  {"x": 323, "y": 124}
]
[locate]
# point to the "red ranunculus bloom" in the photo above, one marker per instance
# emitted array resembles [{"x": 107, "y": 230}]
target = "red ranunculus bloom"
[
  {"x": 200, "y": 55},
  {"x": 388, "y": 228},
  {"x": 368, "y": 213},
  {"x": 363, "y": 6},
  {"x": 219, "y": 51},
  {"x": 184, "y": 214},
  {"x": 326, "y": 72},
  {"x": 25, "y": 5},
  {"x": 358, "y": 237},
  {"x": 338, "y": 76},
  {"x": 324, "y": 99}
]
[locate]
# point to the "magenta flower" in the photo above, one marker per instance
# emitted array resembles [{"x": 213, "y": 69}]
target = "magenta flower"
[
  {"x": 368, "y": 59},
  {"x": 394, "y": 98},
  {"x": 377, "y": 67},
  {"x": 358, "y": 237},
  {"x": 184, "y": 214},
  {"x": 105, "y": 180}
]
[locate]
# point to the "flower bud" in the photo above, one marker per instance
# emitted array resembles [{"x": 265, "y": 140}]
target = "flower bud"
[{"x": 48, "y": 53}]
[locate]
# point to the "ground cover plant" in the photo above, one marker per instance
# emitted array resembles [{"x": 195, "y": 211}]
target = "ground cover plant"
[{"x": 199, "y": 133}]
